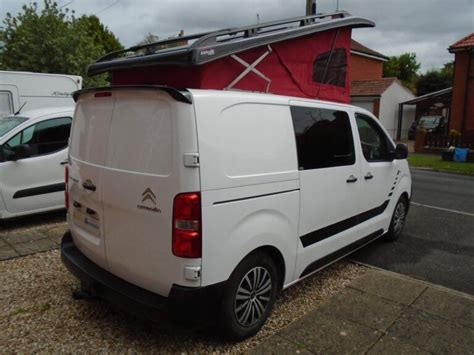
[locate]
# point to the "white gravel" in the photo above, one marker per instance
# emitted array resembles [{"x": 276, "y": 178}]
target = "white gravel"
[{"x": 37, "y": 313}]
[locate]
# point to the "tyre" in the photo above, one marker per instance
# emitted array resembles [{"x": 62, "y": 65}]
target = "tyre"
[
  {"x": 249, "y": 296},
  {"x": 398, "y": 220}
]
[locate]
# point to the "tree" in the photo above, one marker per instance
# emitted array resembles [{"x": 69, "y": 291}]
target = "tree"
[
  {"x": 435, "y": 80},
  {"x": 404, "y": 67},
  {"x": 99, "y": 33},
  {"x": 53, "y": 40},
  {"x": 149, "y": 38}
]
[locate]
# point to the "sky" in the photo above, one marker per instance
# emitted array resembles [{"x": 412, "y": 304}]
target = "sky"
[{"x": 425, "y": 27}]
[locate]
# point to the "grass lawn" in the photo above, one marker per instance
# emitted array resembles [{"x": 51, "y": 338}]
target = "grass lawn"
[{"x": 435, "y": 162}]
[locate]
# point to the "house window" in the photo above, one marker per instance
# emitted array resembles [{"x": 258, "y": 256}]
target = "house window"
[
  {"x": 334, "y": 72},
  {"x": 323, "y": 138}
]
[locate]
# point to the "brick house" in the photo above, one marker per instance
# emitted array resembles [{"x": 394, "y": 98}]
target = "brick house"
[
  {"x": 462, "y": 103},
  {"x": 379, "y": 95}
]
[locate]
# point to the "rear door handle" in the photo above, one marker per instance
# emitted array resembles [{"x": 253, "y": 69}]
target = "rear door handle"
[
  {"x": 351, "y": 179},
  {"x": 64, "y": 162},
  {"x": 368, "y": 176},
  {"x": 88, "y": 185}
]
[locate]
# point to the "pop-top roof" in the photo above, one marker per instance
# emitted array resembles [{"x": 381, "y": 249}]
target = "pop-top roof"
[{"x": 202, "y": 48}]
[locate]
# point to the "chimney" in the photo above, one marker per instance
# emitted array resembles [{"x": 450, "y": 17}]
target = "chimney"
[{"x": 310, "y": 7}]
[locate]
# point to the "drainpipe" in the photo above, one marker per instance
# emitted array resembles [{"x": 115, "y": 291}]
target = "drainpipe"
[
  {"x": 468, "y": 76},
  {"x": 400, "y": 117}
]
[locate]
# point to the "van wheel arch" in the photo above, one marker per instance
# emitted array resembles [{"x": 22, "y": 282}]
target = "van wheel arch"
[
  {"x": 277, "y": 258},
  {"x": 405, "y": 194}
]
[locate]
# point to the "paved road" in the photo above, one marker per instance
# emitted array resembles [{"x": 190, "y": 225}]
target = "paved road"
[{"x": 437, "y": 244}]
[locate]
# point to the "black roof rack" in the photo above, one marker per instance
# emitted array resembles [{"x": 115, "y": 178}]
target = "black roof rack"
[{"x": 209, "y": 46}]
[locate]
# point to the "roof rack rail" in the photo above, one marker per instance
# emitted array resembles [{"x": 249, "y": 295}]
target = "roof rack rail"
[{"x": 209, "y": 46}]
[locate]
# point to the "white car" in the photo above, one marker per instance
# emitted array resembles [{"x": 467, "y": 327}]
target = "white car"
[
  {"x": 33, "y": 152},
  {"x": 223, "y": 196}
]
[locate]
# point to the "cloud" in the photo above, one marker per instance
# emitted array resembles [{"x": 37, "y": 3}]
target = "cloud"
[{"x": 425, "y": 27}]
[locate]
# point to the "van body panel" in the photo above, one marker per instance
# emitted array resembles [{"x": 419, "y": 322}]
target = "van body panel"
[
  {"x": 231, "y": 158},
  {"x": 239, "y": 220},
  {"x": 249, "y": 180}
]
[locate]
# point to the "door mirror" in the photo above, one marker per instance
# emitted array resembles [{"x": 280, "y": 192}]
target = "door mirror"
[
  {"x": 18, "y": 152},
  {"x": 401, "y": 152}
]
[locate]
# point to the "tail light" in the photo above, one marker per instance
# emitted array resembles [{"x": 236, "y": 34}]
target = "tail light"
[
  {"x": 187, "y": 238},
  {"x": 66, "y": 183}
]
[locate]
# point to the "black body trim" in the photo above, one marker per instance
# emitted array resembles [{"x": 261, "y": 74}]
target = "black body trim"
[
  {"x": 339, "y": 254},
  {"x": 329, "y": 231},
  {"x": 252, "y": 197},
  {"x": 180, "y": 95},
  {"x": 40, "y": 190},
  {"x": 103, "y": 284}
]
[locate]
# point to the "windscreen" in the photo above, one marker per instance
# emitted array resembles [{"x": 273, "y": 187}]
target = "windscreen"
[{"x": 10, "y": 122}]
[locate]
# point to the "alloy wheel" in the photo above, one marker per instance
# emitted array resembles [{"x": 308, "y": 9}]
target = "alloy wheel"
[
  {"x": 399, "y": 218},
  {"x": 253, "y": 296}
]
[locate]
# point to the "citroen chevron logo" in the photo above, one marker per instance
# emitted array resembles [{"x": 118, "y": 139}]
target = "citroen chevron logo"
[{"x": 149, "y": 195}]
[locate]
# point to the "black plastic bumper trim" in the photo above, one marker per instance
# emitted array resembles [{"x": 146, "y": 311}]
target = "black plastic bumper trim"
[{"x": 122, "y": 293}]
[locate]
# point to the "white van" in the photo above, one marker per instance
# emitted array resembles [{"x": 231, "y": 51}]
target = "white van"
[
  {"x": 31, "y": 91},
  {"x": 230, "y": 196},
  {"x": 33, "y": 152}
]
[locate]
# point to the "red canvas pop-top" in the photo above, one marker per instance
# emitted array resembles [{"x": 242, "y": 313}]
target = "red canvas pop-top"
[{"x": 304, "y": 57}]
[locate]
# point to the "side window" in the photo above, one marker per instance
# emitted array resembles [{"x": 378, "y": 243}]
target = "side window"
[
  {"x": 373, "y": 140},
  {"x": 6, "y": 103},
  {"x": 323, "y": 138},
  {"x": 331, "y": 68},
  {"x": 44, "y": 137}
]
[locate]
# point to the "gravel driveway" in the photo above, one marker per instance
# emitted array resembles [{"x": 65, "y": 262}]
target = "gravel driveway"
[{"x": 38, "y": 314}]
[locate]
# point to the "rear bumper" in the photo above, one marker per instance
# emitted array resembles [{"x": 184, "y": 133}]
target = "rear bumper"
[{"x": 105, "y": 285}]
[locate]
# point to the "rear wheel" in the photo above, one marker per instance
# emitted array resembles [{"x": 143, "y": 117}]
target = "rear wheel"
[
  {"x": 398, "y": 219},
  {"x": 249, "y": 296}
]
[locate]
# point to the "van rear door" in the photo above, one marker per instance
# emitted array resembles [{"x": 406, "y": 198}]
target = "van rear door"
[
  {"x": 138, "y": 171},
  {"x": 87, "y": 158},
  {"x": 144, "y": 170}
]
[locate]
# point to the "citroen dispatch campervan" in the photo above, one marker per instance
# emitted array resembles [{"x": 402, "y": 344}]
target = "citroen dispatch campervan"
[{"x": 234, "y": 196}]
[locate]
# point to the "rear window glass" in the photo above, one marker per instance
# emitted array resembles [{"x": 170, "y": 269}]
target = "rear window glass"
[
  {"x": 323, "y": 138},
  {"x": 129, "y": 131},
  {"x": 9, "y": 123},
  {"x": 140, "y": 135}
]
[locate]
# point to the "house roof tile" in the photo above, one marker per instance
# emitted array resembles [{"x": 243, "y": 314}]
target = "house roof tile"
[
  {"x": 357, "y": 47},
  {"x": 463, "y": 43},
  {"x": 371, "y": 87}
]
